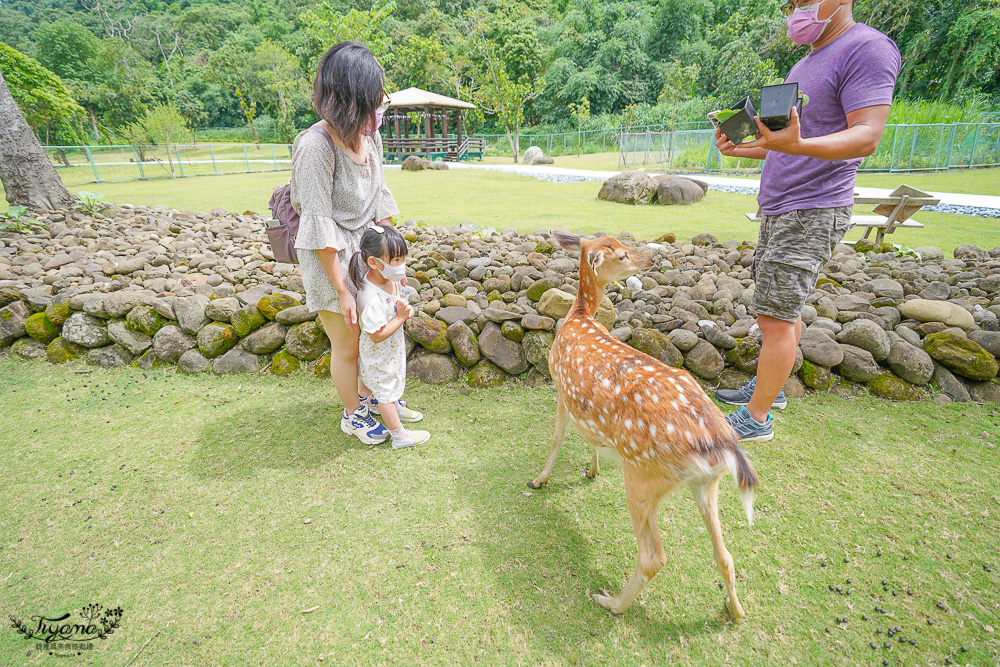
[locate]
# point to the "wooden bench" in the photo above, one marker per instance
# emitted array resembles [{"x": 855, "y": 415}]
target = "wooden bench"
[{"x": 891, "y": 212}]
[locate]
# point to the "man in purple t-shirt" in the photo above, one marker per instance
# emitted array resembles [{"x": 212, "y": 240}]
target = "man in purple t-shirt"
[{"x": 807, "y": 185}]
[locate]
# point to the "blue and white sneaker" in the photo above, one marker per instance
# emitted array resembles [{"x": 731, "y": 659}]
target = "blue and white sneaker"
[
  {"x": 405, "y": 413},
  {"x": 749, "y": 429},
  {"x": 742, "y": 395},
  {"x": 364, "y": 427}
]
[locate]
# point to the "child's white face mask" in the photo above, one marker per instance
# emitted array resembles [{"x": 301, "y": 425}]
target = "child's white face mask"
[{"x": 393, "y": 273}]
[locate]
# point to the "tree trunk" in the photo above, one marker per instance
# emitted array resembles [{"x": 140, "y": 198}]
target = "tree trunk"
[
  {"x": 93, "y": 121},
  {"x": 27, "y": 175}
]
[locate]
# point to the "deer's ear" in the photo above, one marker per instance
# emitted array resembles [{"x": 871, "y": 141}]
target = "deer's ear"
[
  {"x": 566, "y": 240},
  {"x": 596, "y": 258}
]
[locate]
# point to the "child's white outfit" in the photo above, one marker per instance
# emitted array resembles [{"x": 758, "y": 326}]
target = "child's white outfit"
[{"x": 382, "y": 366}]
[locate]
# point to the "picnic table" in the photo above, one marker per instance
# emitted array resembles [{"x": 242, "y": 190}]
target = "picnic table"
[{"x": 890, "y": 213}]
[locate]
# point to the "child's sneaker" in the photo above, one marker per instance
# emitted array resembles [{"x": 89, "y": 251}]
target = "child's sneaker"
[
  {"x": 410, "y": 438},
  {"x": 749, "y": 429},
  {"x": 364, "y": 427},
  {"x": 405, "y": 413}
]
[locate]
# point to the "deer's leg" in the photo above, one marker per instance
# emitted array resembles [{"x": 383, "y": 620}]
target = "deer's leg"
[
  {"x": 643, "y": 497},
  {"x": 595, "y": 466},
  {"x": 557, "y": 438},
  {"x": 706, "y": 496}
]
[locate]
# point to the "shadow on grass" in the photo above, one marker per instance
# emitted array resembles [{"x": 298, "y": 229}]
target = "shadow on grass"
[
  {"x": 301, "y": 435},
  {"x": 544, "y": 567}
]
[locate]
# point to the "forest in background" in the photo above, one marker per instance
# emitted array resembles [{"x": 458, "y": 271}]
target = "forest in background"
[{"x": 100, "y": 71}]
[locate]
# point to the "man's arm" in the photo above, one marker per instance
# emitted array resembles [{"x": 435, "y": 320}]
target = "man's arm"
[{"x": 860, "y": 139}]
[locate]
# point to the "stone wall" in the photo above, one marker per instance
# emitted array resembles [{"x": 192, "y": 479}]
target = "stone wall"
[{"x": 201, "y": 291}]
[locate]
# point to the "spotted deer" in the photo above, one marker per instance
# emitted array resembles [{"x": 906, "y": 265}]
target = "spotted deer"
[{"x": 655, "y": 418}]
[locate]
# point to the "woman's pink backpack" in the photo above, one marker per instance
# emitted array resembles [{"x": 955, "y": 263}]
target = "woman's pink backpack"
[{"x": 281, "y": 231}]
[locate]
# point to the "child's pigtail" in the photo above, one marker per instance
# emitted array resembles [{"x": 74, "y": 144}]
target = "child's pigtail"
[{"x": 357, "y": 268}]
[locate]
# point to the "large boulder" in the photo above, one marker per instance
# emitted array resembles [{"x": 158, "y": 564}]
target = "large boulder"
[
  {"x": 532, "y": 153},
  {"x": 429, "y": 332},
  {"x": 247, "y": 320},
  {"x": 821, "y": 349},
  {"x": 415, "y": 163},
  {"x": 465, "y": 344},
  {"x": 28, "y": 348},
  {"x": 236, "y": 361},
  {"x": 272, "y": 304},
  {"x": 145, "y": 319},
  {"x": 868, "y": 336},
  {"x": 306, "y": 341},
  {"x": 215, "y": 339},
  {"x": 502, "y": 351},
  {"x": 118, "y": 304},
  {"x": 111, "y": 356},
  {"x": 266, "y": 340},
  {"x": 961, "y": 356},
  {"x": 171, "y": 342},
  {"x": 990, "y": 340},
  {"x": 222, "y": 310},
  {"x": 86, "y": 330},
  {"x": 910, "y": 363},
  {"x": 925, "y": 310},
  {"x": 134, "y": 342},
  {"x": 555, "y": 303},
  {"x": 887, "y": 385},
  {"x": 433, "y": 368},
  {"x": 678, "y": 190},
  {"x": 13, "y": 318},
  {"x": 857, "y": 365},
  {"x": 190, "y": 313},
  {"x": 60, "y": 351},
  {"x": 486, "y": 374},
  {"x": 41, "y": 328},
  {"x": 658, "y": 346},
  {"x": 629, "y": 187},
  {"x": 537, "y": 345},
  {"x": 193, "y": 362},
  {"x": 704, "y": 360}
]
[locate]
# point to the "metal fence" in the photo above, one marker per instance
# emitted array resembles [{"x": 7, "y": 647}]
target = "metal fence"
[
  {"x": 931, "y": 147},
  {"x": 99, "y": 164},
  {"x": 903, "y": 148}
]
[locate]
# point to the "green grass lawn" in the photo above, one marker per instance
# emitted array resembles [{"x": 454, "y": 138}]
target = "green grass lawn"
[
  {"x": 230, "y": 516},
  {"x": 501, "y": 200}
]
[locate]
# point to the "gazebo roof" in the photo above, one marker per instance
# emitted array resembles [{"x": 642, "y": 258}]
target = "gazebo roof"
[{"x": 415, "y": 97}]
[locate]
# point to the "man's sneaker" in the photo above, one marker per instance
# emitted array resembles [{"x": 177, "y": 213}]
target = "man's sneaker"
[
  {"x": 405, "y": 413},
  {"x": 742, "y": 395},
  {"x": 749, "y": 429},
  {"x": 410, "y": 438},
  {"x": 364, "y": 427}
]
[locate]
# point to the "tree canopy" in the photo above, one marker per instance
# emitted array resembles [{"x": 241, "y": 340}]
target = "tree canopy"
[{"x": 231, "y": 63}]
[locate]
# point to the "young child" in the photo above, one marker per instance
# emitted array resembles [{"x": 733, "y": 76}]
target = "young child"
[{"x": 376, "y": 270}]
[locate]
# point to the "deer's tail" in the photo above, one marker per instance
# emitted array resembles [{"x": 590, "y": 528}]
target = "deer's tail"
[{"x": 745, "y": 476}]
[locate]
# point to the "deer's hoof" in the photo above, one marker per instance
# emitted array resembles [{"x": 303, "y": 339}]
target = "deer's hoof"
[
  {"x": 591, "y": 474},
  {"x": 735, "y": 608},
  {"x": 603, "y": 598},
  {"x": 532, "y": 485}
]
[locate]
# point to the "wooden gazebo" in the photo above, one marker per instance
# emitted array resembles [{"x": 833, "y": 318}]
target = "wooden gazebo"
[{"x": 417, "y": 123}]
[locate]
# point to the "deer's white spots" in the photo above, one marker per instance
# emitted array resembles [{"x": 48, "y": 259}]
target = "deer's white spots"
[
  {"x": 673, "y": 404},
  {"x": 648, "y": 368},
  {"x": 606, "y": 383},
  {"x": 640, "y": 424},
  {"x": 701, "y": 422},
  {"x": 628, "y": 423},
  {"x": 652, "y": 430},
  {"x": 670, "y": 428}
]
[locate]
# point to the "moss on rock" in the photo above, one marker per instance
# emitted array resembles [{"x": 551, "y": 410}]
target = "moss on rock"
[
  {"x": 144, "y": 319},
  {"x": 887, "y": 385},
  {"x": 283, "y": 363},
  {"x": 58, "y": 310},
  {"x": 216, "y": 338},
  {"x": 272, "y": 304},
  {"x": 247, "y": 320},
  {"x": 429, "y": 332},
  {"x": 961, "y": 356},
  {"x": 322, "y": 369},
  {"x": 512, "y": 330},
  {"x": 486, "y": 374},
  {"x": 41, "y": 328},
  {"x": 815, "y": 376},
  {"x": 60, "y": 351}
]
